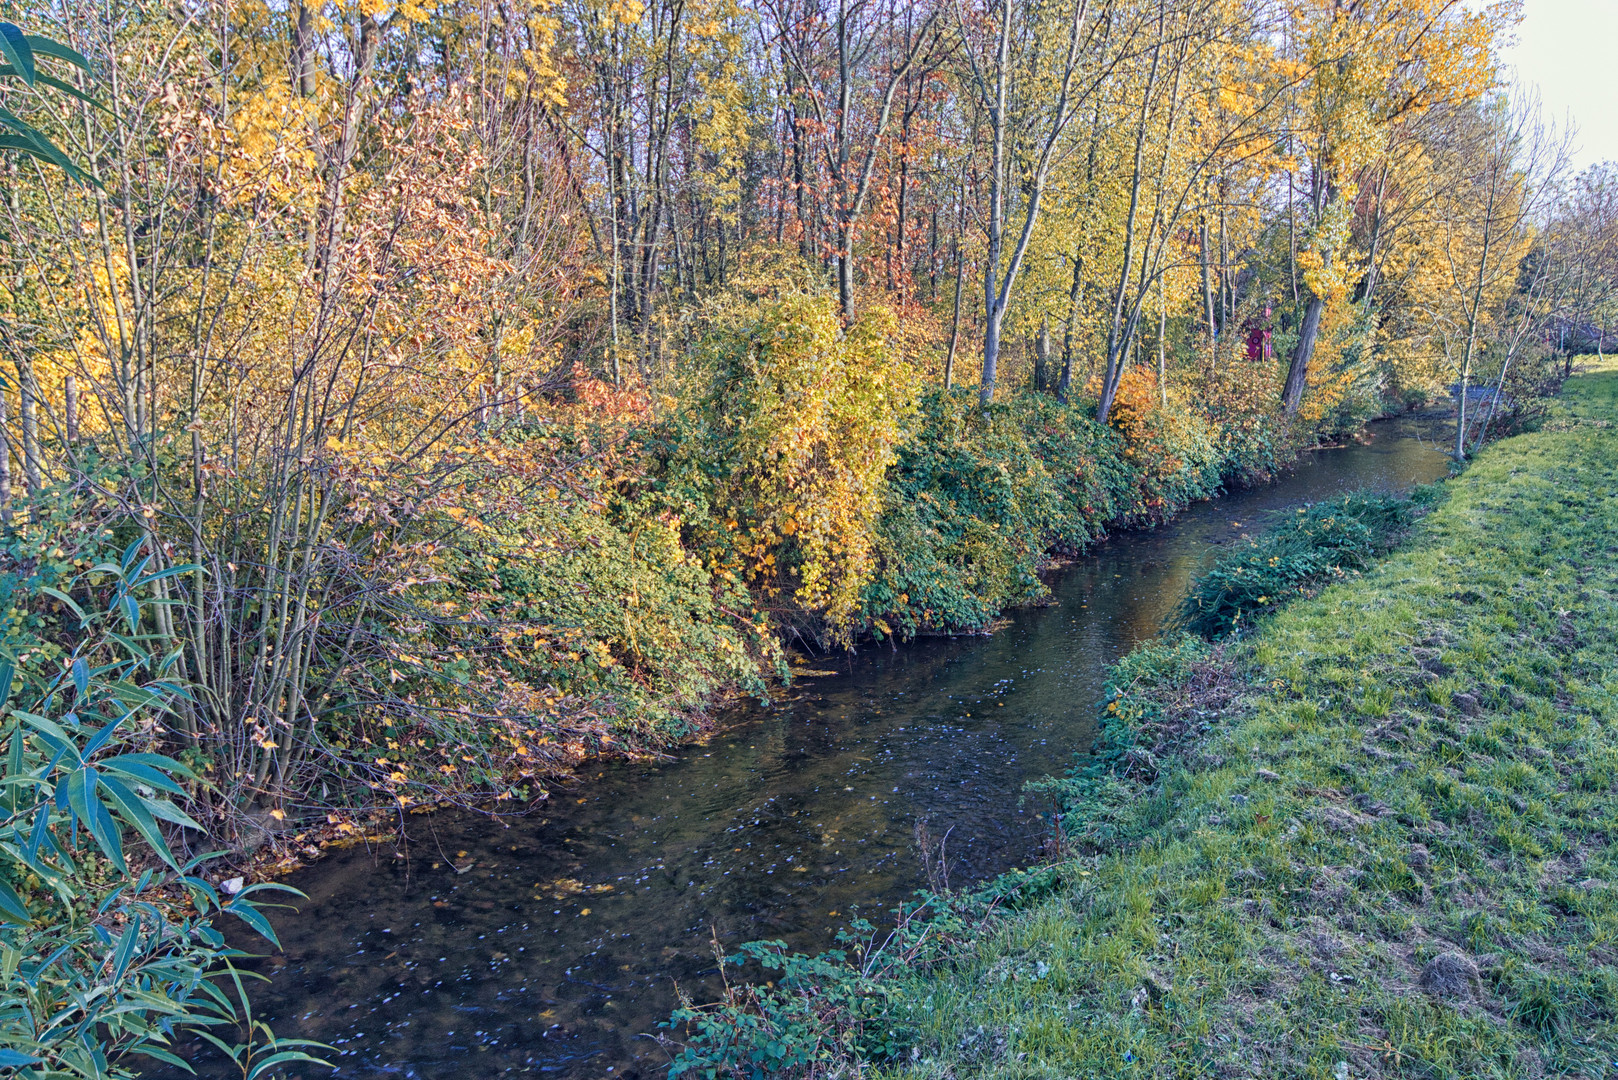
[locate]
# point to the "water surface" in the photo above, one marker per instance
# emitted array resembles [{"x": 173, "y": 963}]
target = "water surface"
[{"x": 552, "y": 943}]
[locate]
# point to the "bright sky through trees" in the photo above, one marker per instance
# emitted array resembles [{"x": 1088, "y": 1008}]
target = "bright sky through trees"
[{"x": 1564, "y": 47}]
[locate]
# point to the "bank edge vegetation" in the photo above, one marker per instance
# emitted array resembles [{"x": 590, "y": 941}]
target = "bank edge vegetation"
[
  {"x": 1371, "y": 838},
  {"x": 405, "y": 402}
]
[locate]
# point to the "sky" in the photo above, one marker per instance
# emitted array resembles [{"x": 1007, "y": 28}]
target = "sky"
[{"x": 1565, "y": 47}]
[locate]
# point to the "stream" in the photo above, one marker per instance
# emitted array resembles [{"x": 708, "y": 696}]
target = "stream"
[{"x": 551, "y": 943}]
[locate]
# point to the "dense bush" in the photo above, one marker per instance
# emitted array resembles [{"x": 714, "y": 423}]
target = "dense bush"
[
  {"x": 1172, "y": 447},
  {"x": 980, "y": 497},
  {"x": 615, "y": 612},
  {"x": 977, "y": 498},
  {"x": 790, "y": 425},
  {"x": 1317, "y": 544}
]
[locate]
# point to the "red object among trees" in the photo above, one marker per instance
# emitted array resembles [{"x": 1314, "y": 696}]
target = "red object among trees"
[{"x": 1258, "y": 338}]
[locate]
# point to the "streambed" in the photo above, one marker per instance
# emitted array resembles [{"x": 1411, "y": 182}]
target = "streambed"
[{"x": 551, "y": 944}]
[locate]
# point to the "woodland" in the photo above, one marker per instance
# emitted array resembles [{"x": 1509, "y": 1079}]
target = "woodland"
[{"x": 406, "y": 402}]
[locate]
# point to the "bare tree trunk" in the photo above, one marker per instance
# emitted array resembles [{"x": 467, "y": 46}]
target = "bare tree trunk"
[
  {"x": 1207, "y": 278},
  {"x": 70, "y": 401},
  {"x": 5, "y": 459},
  {"x": 1162, "y": 333},
  {"x": 1297, "y": 371},
  {"x": 1064, "y": 384},
  {"x": 998, "y": 285},
  {"x": 28, "y": 394},
  {"x": 1325, "y": 194},
  {"x": 1042, "y": 357},
  {"x": 1117, "y": 340},
  {"x": 955, "y": 323}
]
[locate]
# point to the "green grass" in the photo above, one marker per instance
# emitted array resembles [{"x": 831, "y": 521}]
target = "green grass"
[
  {"x": 1419, "y": 761},
  {"x": 1320, "y": 543}
]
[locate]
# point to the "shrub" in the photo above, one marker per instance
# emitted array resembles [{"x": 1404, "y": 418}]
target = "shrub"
[
  {"x": 1317, "y": 544},
  {"x": 1172, "y": 446},
  {"x": 792, "y": 422},
  {"x": 101, "y": 962},
  {"x": 612, "y": 612}
]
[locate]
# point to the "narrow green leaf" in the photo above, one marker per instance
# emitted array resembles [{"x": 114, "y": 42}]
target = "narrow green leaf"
[
  {"x": 12, "y": 909},
  {"x": 42, "y": 822},
  {"x": 141, "y": 772},
  {"x": 126, "y": 948},
  {"x": 132, "y": 808},
  {"x": 70, "y": 90},
  {"x": 102, "y": 737},
  {"x": 44, "y": 46},
  {"x": 104, "y": 827},
  {"x": 14, "y": 46},
  {"x": 31, "y": 141},
  {"x": 254, "y": 918},
  {"x": 129, "y": 555},
  {"x": 148, "y": 1050},
  {"x": 67, "y": 601},
  {"x": 162, "y": 574},
  {"x": 282, "y": 1057},
  {"x": 50, "y": 729},
  {"x": 162, "y": 808},
  {"x": 78, "y": 787}
]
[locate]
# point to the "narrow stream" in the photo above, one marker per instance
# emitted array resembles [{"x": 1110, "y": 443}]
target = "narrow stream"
[{"x": 551, "y": 943}]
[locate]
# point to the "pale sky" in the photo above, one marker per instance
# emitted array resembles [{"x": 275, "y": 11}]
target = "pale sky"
[{"x": 1565, "y": 47}]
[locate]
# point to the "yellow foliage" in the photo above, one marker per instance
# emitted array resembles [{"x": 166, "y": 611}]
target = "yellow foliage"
[{"x": 811, "y": 416}]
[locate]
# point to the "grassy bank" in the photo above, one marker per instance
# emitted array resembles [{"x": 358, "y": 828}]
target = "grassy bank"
[{"x": 1391, "y": 853}]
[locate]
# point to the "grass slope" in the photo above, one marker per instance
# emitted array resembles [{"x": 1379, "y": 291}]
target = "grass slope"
[{"x": 1394, "y": 853}]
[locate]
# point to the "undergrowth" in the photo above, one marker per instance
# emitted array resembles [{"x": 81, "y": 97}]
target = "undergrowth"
[{"x": 1318, "y": 544}]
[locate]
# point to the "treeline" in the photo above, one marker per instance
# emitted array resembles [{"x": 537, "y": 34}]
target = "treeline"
[
  {"x": 402, "y": 402},
  {"x": 493, "y": 385}
]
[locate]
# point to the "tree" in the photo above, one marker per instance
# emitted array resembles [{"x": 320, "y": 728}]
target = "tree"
[
  {"x": 1029, "y": 70},
  {"x": 1370, "y": 67},
  {"x": 1497, "y": 169}
]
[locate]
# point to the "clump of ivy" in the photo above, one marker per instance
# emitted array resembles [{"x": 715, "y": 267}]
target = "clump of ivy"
[{"x": 1315, "y": 545}]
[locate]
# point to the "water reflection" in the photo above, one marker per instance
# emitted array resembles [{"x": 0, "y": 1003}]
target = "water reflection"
[{"x": 551, "y": 943}]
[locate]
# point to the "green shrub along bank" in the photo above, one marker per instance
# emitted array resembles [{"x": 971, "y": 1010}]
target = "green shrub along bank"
[
  {"x": 979, "y": 498},
  {"x": 851, "y": 505},
  {"x": 1320, "y": 543},
  {"x": 1378, "y": 836}
]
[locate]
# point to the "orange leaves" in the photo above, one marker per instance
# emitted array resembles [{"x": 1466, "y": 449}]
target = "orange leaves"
[{"x": 601, "y": 402}]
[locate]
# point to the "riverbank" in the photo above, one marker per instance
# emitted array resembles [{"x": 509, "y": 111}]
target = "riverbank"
[
  {"x": 785, "y": 824},
  {"x": 620, "y": 619},
  {"x": 1389, "y": 854}
]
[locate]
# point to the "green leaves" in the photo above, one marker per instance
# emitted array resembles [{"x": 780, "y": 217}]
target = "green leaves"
[
  {"x": 98, "y": 965},
  {"x": 1318, "y": 544},
  {"x": 20, "y": 52}
]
